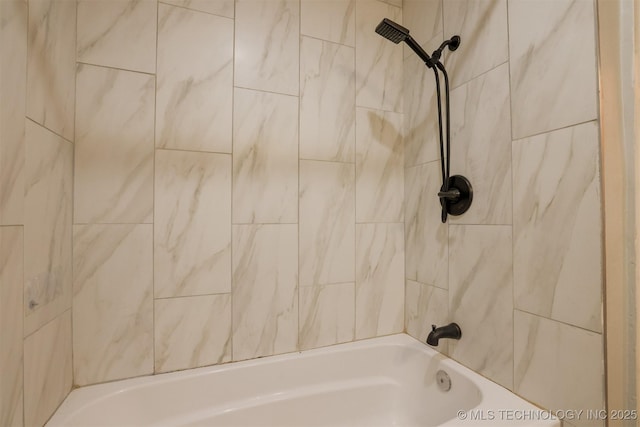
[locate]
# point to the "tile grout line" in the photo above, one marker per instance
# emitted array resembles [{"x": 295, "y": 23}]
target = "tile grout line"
[{"x": 153, "y": 219}]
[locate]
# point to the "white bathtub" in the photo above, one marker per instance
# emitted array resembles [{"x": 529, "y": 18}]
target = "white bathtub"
[{"x": 389, "y": 381}]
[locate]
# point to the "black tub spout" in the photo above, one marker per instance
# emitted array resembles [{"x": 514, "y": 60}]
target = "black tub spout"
[{"x": 452, "y": 330}]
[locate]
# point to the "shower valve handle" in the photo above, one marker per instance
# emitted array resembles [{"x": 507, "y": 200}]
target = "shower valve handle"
[{"x": 451, "y": 194}]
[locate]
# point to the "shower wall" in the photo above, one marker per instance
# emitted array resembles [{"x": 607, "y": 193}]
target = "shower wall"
[{"x": 521, "y": 271}]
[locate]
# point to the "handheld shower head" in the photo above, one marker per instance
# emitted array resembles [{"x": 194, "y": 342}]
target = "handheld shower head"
[{"x": 392, "y": 31}]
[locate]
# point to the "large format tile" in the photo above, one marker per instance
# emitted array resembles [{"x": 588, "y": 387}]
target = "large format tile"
[
  {"x": 11, "y": 321},
  {"x": 481, "y": 299},
  {"x": 426, "y": 306},
  {"x": 119, "y": 34},
  {"x": 378, "y": 61},
  {"x": 265, "y": 157},
  {"x": 331, "y": 20},
  {"x": 47, "y": 226},
  {"x": 195, "y": 80},
  {"x": 423, "y": 18},
  {"x": 265, "y": 290},
  {"x": 192, "y": 332},
  {"x": 327, "y": 223},
  {"x": 47, "y": 369},
  {"x": 267, "y": 45},
  {"x": 482, "y": 27},
  {"x": 557, "y": 226},
  {"x": 379, "y": 279},
  {"x": 112, "y": 302},
  {"x": 426, "y": 238},
  {"x": 327, "y": 101},
  {"x": 51, "y": 65},
  {"x": 379, "y": 166},
  {"x": 481, "y": 146},
  {"x": 114, "y": 146},
  {"x": 553, "y": 64},
  {"x": 326, "y": 315},
  {"x": 13, "y": 80},
  {"x": 558, "y": 366},
  {"x": 192, "y": 226},
  {"x": 216, "y": 7}
]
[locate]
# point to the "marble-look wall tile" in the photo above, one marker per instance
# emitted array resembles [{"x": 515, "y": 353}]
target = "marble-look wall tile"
[
  {"x": 265, "y": 157},
  {"x": 481, "y": 299},
  {"x": 482, "y": 27},
  {"x": 327, "y": 315},
  {"x": 327, "y": 223},
  {"x": 481, "y": 146},
  {"x": 379, "y": 166},
  {"x": 119, "y": 34},
  {"x": 192, "y": 332},
  {"x": 327, "y": 100},
  {"x": 192, "y": 226},
  {"x": 557, "y": 226},
  {"x": 195, "y": 80},
  {"x": 426, "y": 238},
  {"x": 13, "y": 80},
  {"x": 112, "y": 302},
  {"x": 265, "y": 290},
  {"x": 421, "y": 133},
  {"x": 47, "y": 369},
  {"x": 331, "y": 20},
  {"x": 423, "y": 18},
  {"x": 378, "y": 61},
  {"x": 47, "y": 229},
  {"x": 558, "y": 366},
  {"x": 216, "y": 7},
  {"x": 549, "y": 88},
  {"x": 52, "y": 65},
  {"x": 11, "y": 321},
  {"x": 425, "y": 306},
  {"x": 114, "y": 146},
  {"x": 267, "y": 38},
  {"x": 379, "y": 279}
]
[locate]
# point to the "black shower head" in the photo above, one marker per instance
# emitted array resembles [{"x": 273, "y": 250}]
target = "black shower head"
[
  {"x": 392, "y": 31},
  {"x": 397, "y": 33}
]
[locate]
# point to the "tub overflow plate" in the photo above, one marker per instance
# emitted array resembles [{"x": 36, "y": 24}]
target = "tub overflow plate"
[{"x": 443, "y": 380}]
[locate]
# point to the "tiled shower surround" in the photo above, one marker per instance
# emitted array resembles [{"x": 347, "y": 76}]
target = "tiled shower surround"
[{"x": 192, "y": 182}]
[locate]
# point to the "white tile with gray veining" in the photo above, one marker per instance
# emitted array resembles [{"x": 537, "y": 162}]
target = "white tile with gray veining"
[
  {"x": 426, "y": 238},
  {"x": 557, "y": 226},
  {"x": 425, "y": 306},
  {"x": 216, "y": 7},
  {"x": 327, "y": 223},
  {"x": 47, "y": 369},
  {"x": 51, "y": 65},
  {"x": 327, "y": 101},
  {"x": 379, "y": 279},
  {"x": 481, "y": 299},
  {"x": 558, "y": 366},
  {"x": 421, "y": 143},
  {"x": 327, "y": 315},
  {"x": 378, "y": 61},
  {"x": 330, "y": 20},
  {"x": 13, "y": 80},
  {"x": 11, "y": 322},
  {"x": 192, "y": 332},
  {"x": 265, "y": 290},
  {"x": 267, "y": 39},
  {"x": 553, "y": 64},
  {"x": 119, "y": 34},
  {"x": 265, "y": 157},
  {"x": 114, "y": 146},
  {"x": 195, "y": 80},
  {"x": 482, "y": 27},
  {"x": 379, "y": 166},
  {"x": 423, "y": 19},
  {"x": 47, "y": 226},
  {"x": 112, "y": 302},
  {"x": 481, "y": 146},
  {"x": 192, "y": 224}
]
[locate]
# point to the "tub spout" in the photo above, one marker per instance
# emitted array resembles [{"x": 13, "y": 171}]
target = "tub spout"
[{"x": 452, "y": 330}]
